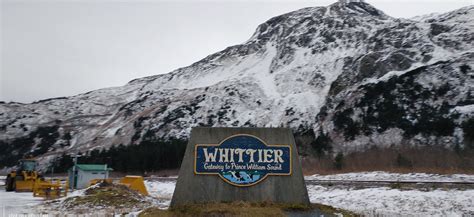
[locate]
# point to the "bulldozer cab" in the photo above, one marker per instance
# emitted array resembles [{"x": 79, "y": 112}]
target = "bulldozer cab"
[
  {"x": 27, "y": 165},
  {"x": 24, "y": 177}
]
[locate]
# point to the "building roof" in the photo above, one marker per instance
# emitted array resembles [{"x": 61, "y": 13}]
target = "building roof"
[{"x": 93, "y": 167}]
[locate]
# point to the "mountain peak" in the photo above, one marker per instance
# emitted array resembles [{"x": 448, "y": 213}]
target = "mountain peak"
[
  {"x": 341, "y": 14},
  {"x": 355, "y": 7}
]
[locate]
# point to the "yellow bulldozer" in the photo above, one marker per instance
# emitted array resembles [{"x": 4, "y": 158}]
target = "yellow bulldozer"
[
  {"x": 27, "y": 179},
  {"x": 24, "y": 178}
]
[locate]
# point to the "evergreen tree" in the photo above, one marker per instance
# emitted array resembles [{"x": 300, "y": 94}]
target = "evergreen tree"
[
  {"x": 339, "y": 161},
  {"x": 322, "y": 144}
]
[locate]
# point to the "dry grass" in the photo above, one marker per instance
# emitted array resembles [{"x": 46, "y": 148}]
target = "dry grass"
[
  {"x": 332, "y": 210},
  {"x": 107, "y": 195},
  {"x": 216, "y": 209},
  {"x": 240, "y": 209},
  {"x": 401, "y": 160}
]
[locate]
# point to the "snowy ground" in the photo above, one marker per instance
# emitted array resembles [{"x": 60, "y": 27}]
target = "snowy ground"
[
  {"x": 12, "y": 202},
  {"x": 395, "y": 202},
  {"x": 390, "y": 202},
  {"x": 367, "y": 201},
  {"x": 162, "y": 190},
  {"x": 378, "y": 201}
]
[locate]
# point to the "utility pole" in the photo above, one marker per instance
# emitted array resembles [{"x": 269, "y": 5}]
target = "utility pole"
[
  {"x": 105, "y": 172},
  {"x": 52, "y": 169},
  {"x": 74, "y": 171}
]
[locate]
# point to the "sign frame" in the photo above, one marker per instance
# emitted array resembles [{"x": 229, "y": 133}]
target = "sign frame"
[{"x": 250, "y": 184}]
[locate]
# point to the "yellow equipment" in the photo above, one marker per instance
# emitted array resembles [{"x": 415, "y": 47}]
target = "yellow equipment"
[
  {"x": 50, "y": 189},
  {"x": 135, "y": 183},
  {"x": 24, "y": 178},
  {"x": 95, "y": 181}
]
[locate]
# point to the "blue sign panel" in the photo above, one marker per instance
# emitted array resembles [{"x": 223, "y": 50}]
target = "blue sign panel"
[{"x": 242, "y": 160}]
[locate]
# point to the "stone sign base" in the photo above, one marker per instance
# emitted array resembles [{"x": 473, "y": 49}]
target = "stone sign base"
[{"x": 192, "y": 188}]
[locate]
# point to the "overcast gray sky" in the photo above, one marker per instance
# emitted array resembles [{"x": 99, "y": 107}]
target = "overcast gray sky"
[{"x": 53, "y": 48}]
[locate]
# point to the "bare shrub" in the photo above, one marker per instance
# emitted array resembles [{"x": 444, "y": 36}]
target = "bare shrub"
[{"x": 396, "y": 159}]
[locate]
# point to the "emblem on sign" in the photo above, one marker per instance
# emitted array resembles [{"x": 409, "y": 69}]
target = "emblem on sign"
[{"x": 242, "y": 160}]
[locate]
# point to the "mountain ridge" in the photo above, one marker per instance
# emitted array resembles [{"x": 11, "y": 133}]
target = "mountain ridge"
[{"x": 293, "y": 67}]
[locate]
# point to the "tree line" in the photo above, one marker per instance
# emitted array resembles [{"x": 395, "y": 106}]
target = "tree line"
[{"x": 147, "y": 156}]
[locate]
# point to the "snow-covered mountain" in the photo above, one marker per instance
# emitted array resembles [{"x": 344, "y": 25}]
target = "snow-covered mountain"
[{"x": 347, "y": 71}]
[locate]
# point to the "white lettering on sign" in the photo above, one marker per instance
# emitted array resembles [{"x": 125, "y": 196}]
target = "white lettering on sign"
[
  {"x": 230, "y": 155},
  {"x": 210, "y": 157}
]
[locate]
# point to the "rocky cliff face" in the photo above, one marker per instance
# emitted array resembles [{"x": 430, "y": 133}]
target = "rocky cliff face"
[{"x": 348, "y": 72}]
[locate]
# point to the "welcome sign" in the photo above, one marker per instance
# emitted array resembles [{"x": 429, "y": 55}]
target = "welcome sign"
[
  {"x": 225, "y": 164},
  {"x": 242, "y": 160}
]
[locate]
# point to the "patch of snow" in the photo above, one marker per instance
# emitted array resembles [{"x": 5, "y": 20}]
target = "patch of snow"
[
  {"x": 12, "y": 203},
  {"x": 394, "y": 202},
  {"x": 465, "y": 109},
  {"x": 262, "y": 75},
  {"x": 439, "y": 54},
  {"x": 391, "y": 74},
  {"x": 162, "y": 190},
  {"x": 111, "y": 131}
]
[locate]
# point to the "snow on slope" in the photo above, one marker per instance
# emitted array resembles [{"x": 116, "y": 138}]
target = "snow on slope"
[{"x": 292, "y": 67}]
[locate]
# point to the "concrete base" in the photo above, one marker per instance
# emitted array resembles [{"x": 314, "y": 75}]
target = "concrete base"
[{"x": 191, "y": 188}]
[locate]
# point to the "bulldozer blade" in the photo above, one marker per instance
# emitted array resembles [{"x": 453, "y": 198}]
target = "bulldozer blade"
[
  {"x": 24, "y": 186},
  {"x": 135, "y": 183}
]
